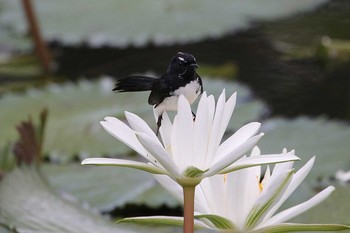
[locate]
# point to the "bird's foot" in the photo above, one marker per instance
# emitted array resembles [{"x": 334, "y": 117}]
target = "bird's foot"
[
  {"x": 193, "y": 116},
  {"x": 159, "y": 123}
]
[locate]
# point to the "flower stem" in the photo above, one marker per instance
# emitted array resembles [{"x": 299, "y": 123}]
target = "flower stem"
[{"x": 189, "y": 208}]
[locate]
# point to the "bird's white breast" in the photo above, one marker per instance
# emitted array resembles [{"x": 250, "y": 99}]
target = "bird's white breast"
[{"x": 191, "y": 91}]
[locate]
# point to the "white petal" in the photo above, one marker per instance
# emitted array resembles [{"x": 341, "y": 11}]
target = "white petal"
[
  {"x": 211, "y": 108},
  {"x": 267, "y": 177},
  {"x": 211, "y": 187},
  {"x": 123, "y": 133},
  {"x": 228, "y": 110},
  {"x": 255, "y": 151},
  {"x": 201, "y": 133},
  {"x": 254, "y": 154},
  {"x": 242, "y": 191},
  {"x": 268, "y": 198},
  {"x": 279, "y": 169},
  {"x": 274, "y": 187},
  {"x": 211, "y": 112},
  {"x": 124, "y": 163},
  {"x": 201, "y": 199},
  {"x": 139, "y": 125},
  {"x": 159, "y": 153},
  {"x": 184, "y": 133},
  {"x": 233, "y": 155},
  {"x": 298, "y": 177},
  {"x": 301, "y": 208},
  {"x": 259, "y": 160},
  {"x": 215, "y": 140},
  {"x": 165, "y": 130},
  {"x": 175, "y": 151},
  {"x": 238, "y": 138}
]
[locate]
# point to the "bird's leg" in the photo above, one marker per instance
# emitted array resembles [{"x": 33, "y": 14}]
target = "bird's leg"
[
  {"x": 194, "y": 116},
  {"x": 159, "y": 123}
]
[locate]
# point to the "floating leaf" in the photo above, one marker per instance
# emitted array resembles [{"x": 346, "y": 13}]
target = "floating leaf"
[
  {"x": 5, "y": 230},
  {"x": 122, "y": 22},
  {"x": 309, "y": 137},
  {"x": 75, "y": 111},
  {"x": 29, "y": 204},
  {"x": 106, "y": 188},
  {"x": 332, "y": 210}
]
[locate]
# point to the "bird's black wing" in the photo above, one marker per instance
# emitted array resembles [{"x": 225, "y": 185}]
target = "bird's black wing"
[
  {"x": 159, "y": 91},
  {"x": 134, "y": 83},
  {"x": 162, "y": 88}
]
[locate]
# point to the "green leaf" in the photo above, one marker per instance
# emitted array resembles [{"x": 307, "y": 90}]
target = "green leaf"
[
  {"x": 331, "y": 210},
  {"x": 310, "y": 137},
  {"x": 74, "y": 114},
  {"x": 30, "y": 205},
  {"x": 39, "y": 209},
  {"x": 292, "y": 227},
  {"x": 147, "y": 21},
  {"x": 106, "y": 188},
  {"x": 4, "y": 229},
  {"x": 75, "y": 111}
]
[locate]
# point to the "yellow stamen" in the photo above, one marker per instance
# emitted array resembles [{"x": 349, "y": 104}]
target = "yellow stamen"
[
  {"x": 261, "y": 187},
  {"x": 259, "y": 184}
]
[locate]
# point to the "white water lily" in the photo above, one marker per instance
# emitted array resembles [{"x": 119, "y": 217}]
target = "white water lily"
[
  {"x": 189, "y": 149},
  {"x": 243, "y": 201}
]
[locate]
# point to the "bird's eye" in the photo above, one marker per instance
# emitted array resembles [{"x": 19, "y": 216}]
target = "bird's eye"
[{"x": 181, "y": 61}]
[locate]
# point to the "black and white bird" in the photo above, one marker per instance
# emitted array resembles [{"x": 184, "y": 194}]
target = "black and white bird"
[{"x": 179, "y": 79}]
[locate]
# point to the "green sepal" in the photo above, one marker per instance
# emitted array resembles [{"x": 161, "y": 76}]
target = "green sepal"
[
  {"x": 193, "y": 172},
  {"x": 218, "y": 221},
  {"x": 161, "y": 220},
  {"x": 127, "y": 163}
]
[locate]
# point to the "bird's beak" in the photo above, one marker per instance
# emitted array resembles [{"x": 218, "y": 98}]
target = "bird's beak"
[{"x": 195, "y": 65}]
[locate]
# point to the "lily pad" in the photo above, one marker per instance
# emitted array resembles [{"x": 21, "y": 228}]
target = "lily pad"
[
  {"x": 325, "y": 139},
  {"x": 106, "y": 188},
  {"x": 75, "y": 111},
  {"x": 122, "y": 22},
  {"x": 4, "y": 230},
  {"x": 29, "y": 204},
  {"x": 332, "y": 210}
]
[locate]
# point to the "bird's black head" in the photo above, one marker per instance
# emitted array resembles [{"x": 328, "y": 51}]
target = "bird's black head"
[{"x": 183, "y": 64}]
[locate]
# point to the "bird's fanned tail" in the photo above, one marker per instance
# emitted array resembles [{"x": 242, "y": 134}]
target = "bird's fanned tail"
[{"x": 134, "y": 83}]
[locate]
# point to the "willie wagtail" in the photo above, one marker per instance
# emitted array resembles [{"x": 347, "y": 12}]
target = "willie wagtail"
[{"x": 179, "y": 79}]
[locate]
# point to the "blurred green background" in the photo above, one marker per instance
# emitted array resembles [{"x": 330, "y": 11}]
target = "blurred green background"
[{"x": 288, "y": 60}]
